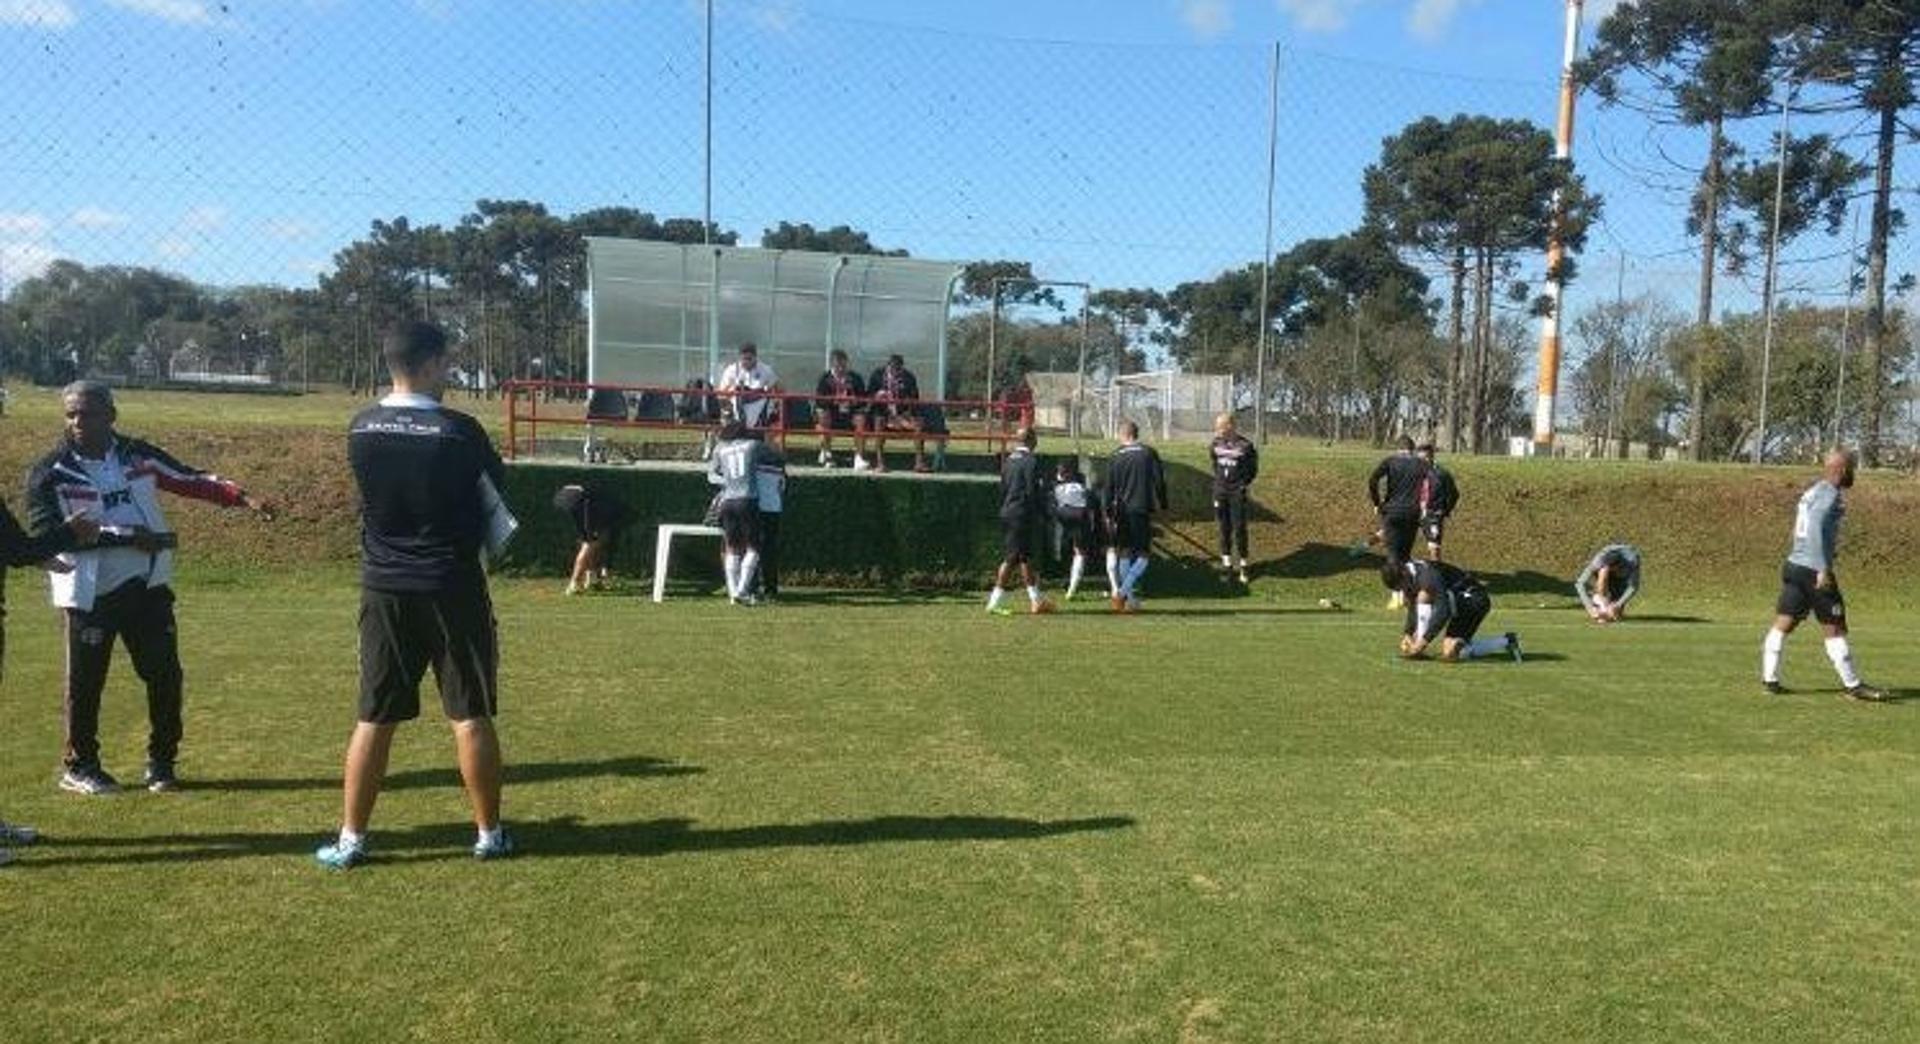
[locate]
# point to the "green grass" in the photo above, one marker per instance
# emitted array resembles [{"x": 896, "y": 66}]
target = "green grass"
[{"x": 856, "y": 819}]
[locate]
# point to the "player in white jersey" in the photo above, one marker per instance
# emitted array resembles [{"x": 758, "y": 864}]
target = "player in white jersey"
[{"x": 734, "y": 467}]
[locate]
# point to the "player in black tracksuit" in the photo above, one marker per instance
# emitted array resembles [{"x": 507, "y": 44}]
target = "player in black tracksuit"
[
  {"x": 1022, "y": 503},
  {"x": 1136, "y": 485},
  {"x": 1438, "y": 497},
  {"x": 1394, "y": 488},
  {"x": 1448, "y": 603},
  {"x": 1235, "y": 464},
  {"x": 19, "y": 549}
]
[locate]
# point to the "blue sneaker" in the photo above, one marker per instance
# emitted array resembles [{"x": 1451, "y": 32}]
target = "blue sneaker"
[
  {"x": 341, "y": 855},
  {"x": 500, "y": 848}
]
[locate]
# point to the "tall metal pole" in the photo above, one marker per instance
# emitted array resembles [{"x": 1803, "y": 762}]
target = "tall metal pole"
[
  {"x": 993, "y": 336},
  {"x": 1773, "y": 267},
  {"x": 1846, "y": 325},
  {"x": 1266, "y": 255},
  {"x": 1080, "y": 385},
  {"x": 706, "y": 220},
  {"x": 1549, "y": 384}
]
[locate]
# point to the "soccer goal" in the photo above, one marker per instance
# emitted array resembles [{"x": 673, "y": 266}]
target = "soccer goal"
[{"x": 1168, "y": 402}]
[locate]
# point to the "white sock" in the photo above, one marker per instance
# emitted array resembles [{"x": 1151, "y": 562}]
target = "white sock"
[
  {"x": 490, "y": 837},
  {"x": 1483, "y": 647},
  {"x": 993, "y": 600},
  {"x": 749, "y": 565},
  {"x": 1033, "y": 595},
  {"x": 1113, "y": 571},
  {"x": 1226, "y": 561},
  {"x": 1842, "y": 657},
  {"x": 1135, "y": 571},
  {"x": 731, "y": 562},
  {"x": 349, "y": 839},
  {"x": 1074, "y": 574},
  {"x": 1770, "y": 650}
]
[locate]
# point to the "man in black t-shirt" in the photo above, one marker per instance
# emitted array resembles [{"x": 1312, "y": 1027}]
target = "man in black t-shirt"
[
  {"x": 429, "y": 484},
  {"x": 840, "y": 404},
  {"x": 896, "y": 408},
  {"x": 1022, "y": 503},
  {"x": 1437, "y": 498},
  {"x": 1394, "y": 488},
  {"x": 1448, "y": 603},
  {"x": 1136, "y": 485}
]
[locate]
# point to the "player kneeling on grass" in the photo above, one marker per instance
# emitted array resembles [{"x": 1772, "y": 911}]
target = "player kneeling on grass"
[
  {"x": 1020, "y": 499},
  {"x": 1447, "y": 603},
  {"x": 1808, "y": 585},
  {"x": 1609, "y": 582},
  {"x": 426, "y": 476}
]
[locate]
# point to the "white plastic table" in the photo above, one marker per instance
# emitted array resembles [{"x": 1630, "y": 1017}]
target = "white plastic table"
[{"x": 663, "y": 550}]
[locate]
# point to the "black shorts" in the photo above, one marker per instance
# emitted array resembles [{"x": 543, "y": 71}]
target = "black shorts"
[
  {"x": 1470, "y": 608},
  {"x": 831, "y": 418},
  {"x": 1434, "y": 528},
  {"x": 1799, "y": 596},
  {"x": 740, "y": 524},
  {"x": 1016, "y": 538},
  {"x": 1133, "y": 532},
  {"x": 1081, "y": 527},
  {"x": 1397, "y": 533},
  {"x": 402, "y": 634},
  {"x": 1616, "y": 584}
]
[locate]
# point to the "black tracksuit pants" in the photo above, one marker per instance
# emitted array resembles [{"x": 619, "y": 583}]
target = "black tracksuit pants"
[
  {"x": 142, "y": 618},
  {"x": 1230, "y": 509}
]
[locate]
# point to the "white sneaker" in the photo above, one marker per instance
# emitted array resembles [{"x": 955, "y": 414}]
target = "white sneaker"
[
  {"x": 860, "y": 463},
  {"x": 826, "y": 459}
]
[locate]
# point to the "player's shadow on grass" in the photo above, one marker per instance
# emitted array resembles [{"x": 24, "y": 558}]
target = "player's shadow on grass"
[
  {"x": 1316, "y": 561},
  {"x": 567, "y": 837},
  {"x": 516, "y": 774}
]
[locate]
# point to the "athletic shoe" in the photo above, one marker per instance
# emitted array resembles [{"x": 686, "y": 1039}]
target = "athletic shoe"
[
  {"x": 860, "y": 463},
  {"x": 17, "y": 834},
  {"x": 572, "y": 589},
  {"x": 1000, "y": 610},
  {"x": 499, "y": 848},
  {"x": 1774, "y": 688},
  {"x": 747, "y": 600},
  {"x": 89, "y": 781},
  {"x": 340, "y": 855},
  {"x": 1133, "y": 604},
  {"x": 160, "y": 778},
  {"x": 826, "y": 459},
  {"x": 1242, "y": 576},
  {"x": 1868, "y": 694},
  {"x": 1042, "y": 607},
  {"x": 1513, "y": 648},
  {"x": 922, "y": 469},
  {"x": 1119, "y": 603}
]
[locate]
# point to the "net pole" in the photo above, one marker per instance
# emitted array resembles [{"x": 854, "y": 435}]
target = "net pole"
[{"x": 1266, "y": 254}]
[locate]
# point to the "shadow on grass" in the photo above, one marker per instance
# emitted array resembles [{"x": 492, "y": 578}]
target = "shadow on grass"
[
  {"x": 516, "y": 774},
  {"x": 568, "y": 837}
]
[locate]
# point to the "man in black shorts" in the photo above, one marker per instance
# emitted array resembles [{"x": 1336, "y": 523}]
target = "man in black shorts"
[
  {"x": 1020, "y": 500},
  {"x": 1136, "y": 484},
  {"x": 1394, "y": 488},
  {"x": 1808, "y": 584},
  {"x": 840, "y": 404},
  {"x": 1447, "y": 603},
  {"x": 1077, "y": 509},
  {"x": 428, "y": 479},
  {"x": 735, "y": 468},
  {"x": 597, "y": 517}
]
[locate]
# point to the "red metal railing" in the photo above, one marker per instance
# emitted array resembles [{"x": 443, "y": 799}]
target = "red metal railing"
[{"x": 571, "y": 404}]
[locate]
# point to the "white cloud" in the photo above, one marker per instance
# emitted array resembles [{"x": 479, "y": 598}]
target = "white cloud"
[
  {"x": 1430, "y": 19},
  {"x": 24, "y": 225},
  {"x": 97, "y": 217},
  {"x": 180, "y": 12},
  {"x": 290, "y": 229},
  {"x": 23, "y": 260},
  {"x": 1206, "y": 18},
  {"x": 37, "y": 14},
  {"x": 175, "y": 248},
  {"x": 776, "y": 16},
  {"x": 1319, "y": 16}
]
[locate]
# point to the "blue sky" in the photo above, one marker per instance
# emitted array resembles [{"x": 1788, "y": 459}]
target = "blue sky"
[{"x": 1122, "y": 142}]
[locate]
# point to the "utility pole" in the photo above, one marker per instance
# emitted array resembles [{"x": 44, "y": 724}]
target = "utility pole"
[{"x": 1549, "y": 384}]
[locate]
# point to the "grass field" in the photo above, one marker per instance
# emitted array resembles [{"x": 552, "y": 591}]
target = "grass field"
[{"x": 848, "y": 818}]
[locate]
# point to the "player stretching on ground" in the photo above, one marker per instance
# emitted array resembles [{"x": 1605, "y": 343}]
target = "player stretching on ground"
[
  {"x": 1398, "y": 505},
  {"x": 1235, "y": 464},
  {"x": 735, "y": 469},
  {"x": 1448, "y": 603},
  {"x": 1077, "y": 510},
  {"x": 1020, "y": 501},
  {"x": 1136, "y": 485},
  {"x": 1807, "y": 583},
  {"x": 1609, "y": 582}
]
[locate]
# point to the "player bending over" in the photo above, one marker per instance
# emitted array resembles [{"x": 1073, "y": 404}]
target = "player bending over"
[
  {"x": 1077, "y": 510},
  {"x": 1807, "y": 582},
  {"x": 1609, "y": 582},
  {"x": 1020, "y": 502},
  {"x": 1448, "y": 603}
]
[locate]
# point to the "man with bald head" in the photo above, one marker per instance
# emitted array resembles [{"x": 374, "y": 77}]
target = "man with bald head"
[
  {"x": 121, "y": 586},
  {"x": 1808, "y": 583}
]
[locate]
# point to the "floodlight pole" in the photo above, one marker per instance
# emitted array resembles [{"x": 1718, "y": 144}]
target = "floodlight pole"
[
  {"x": 1549, "y": 376},
  {"x": 706, "y": 219},
  {"x": 1266, "y": 255}
]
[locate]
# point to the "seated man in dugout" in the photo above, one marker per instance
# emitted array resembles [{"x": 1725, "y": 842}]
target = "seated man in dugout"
[
  {"x": 840, "y": 404},
  {"x": 896, "y": 395}
]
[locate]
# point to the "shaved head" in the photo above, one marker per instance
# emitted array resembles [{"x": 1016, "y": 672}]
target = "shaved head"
[{"x": 1839, "y": 467}]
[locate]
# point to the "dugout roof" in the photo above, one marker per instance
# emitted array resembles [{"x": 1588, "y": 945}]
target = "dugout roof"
[{"x": 665, "y": 313}]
